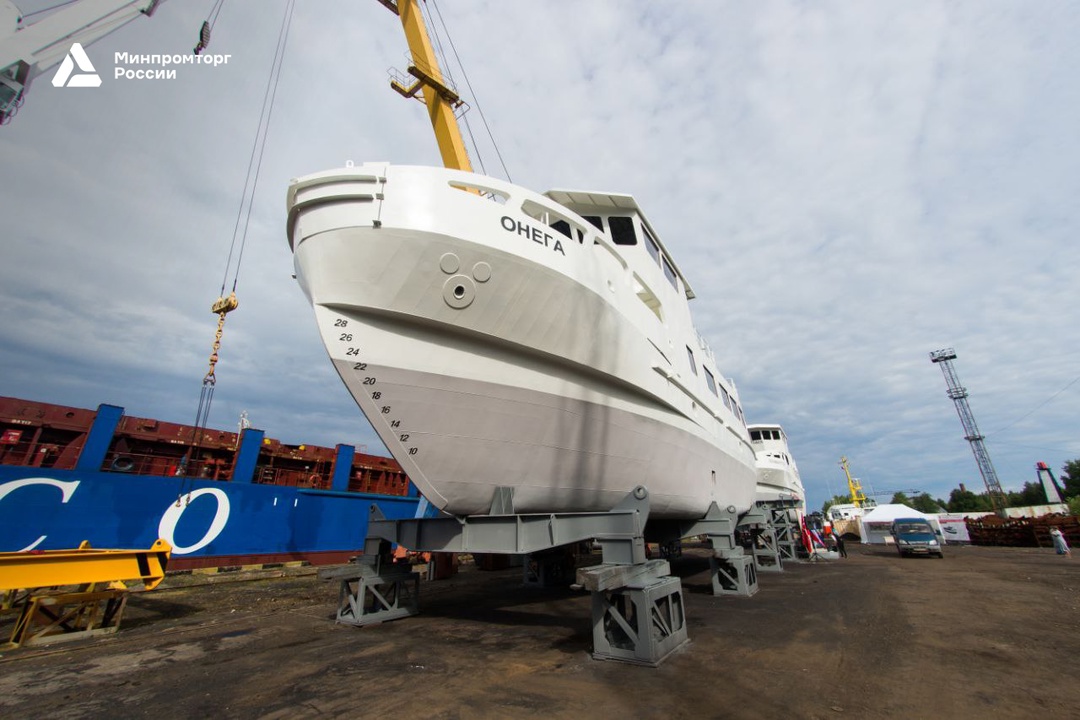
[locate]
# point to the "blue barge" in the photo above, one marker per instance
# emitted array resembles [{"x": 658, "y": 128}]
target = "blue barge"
[{"x": 219, "y": 498}]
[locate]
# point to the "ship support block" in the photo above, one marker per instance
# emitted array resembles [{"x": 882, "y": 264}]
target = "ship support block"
[
  {"x": 374, "y": 589},
  {"x": 638, "y": 614},
  {"x": 369, "y": 600},
  {"x": 637, "y": 608},
  {"x": 766, "y": 552},
  {"x": 733, "y": 574},
  {"x": 732, "y": 571},
  {"x": 786, "y": 523}
]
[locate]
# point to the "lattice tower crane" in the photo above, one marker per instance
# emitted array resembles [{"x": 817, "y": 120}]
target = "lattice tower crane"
[{"x": 959, "y": 396}]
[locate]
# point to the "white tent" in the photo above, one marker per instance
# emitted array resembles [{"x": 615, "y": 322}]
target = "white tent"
[{"x": 876, "y": 525}]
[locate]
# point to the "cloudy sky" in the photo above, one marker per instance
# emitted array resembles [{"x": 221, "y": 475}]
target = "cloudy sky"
[{"x": 847, "y": 185}]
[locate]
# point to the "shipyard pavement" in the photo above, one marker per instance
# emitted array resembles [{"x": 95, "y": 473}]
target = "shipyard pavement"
[{"x": 984, "y": 633}]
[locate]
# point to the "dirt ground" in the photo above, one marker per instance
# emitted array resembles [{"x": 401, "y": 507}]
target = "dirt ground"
[{"x": 986, "y": 632}]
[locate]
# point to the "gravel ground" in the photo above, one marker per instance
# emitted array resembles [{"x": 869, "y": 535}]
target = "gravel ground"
[{"x": 986, "y": 633}]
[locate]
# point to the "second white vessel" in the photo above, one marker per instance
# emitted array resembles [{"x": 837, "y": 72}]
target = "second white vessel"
[{"x": 778, "y": 475}]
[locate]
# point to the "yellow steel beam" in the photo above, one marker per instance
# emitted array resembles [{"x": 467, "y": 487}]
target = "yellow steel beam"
[
  {"x": 440, "y": 100},
  {"x": 83, "y": 566}
]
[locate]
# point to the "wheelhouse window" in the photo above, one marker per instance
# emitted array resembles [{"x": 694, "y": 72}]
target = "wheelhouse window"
[
  {"x": 563, "y": 227},
  {"x": 622, "y": 230},
  {"x": 690, "y": 355},
  {"x": 554, "y": 220},
  {"x": 726, "y": 397},
  {"x": 595, "y": 221},
  {"x": 755, "y": 435},
  {"x": 710, "y": 381}
]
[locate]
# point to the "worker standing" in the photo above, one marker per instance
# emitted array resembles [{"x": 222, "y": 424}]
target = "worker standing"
[
  {"x": 1061, "y": 545},
  {"x": 840, "y": 544}
]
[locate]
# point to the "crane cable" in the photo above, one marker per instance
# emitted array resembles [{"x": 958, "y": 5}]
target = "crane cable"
[
  {"x": 224, "y": 305},
  {"x": 449, "y": 74}
]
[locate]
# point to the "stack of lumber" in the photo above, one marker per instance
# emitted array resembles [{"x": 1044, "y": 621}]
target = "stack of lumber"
[{"x": 1022, "y": 532}]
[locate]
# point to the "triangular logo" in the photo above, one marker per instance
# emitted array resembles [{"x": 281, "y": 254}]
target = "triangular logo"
[{"x": 87, "y": 77}]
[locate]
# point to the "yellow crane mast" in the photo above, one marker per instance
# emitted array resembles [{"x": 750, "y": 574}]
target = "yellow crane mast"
[
  {"x": 858, "y": 498},
  {"x": 440, "y": 99}
]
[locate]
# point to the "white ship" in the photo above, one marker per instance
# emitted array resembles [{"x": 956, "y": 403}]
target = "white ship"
[
  {"x": 500, "y": 339},
  {"x": 778, "y": 475}
]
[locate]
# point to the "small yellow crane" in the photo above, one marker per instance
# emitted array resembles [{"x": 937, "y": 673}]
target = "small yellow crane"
[{"x": 858, "y": 497}]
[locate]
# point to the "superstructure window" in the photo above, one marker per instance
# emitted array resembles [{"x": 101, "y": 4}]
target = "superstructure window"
[
  {"x": 595, "y": 221},
  {"x": 622, "y": 230},
  {"x": 669, "y": 273},
  {"x": 755, "y": 435},
  {"x": 690, "y": 355},
  {"x": 710, "y": 381},
  {"x": 726, "y": 397},
  {"x": 651, "y": 245}
]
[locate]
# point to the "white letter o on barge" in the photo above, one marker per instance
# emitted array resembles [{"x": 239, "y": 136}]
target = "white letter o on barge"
[{"x": 167, "y": 527}]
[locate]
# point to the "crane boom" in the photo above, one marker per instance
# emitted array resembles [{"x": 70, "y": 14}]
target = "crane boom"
[
  {"x": 440, "y": 99},
  {"x": 959, "y": 394},
  {"x": 27, "y": 51}
]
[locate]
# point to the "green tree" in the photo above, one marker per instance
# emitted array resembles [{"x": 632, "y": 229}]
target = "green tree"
[
  {"x": 836, "y": 500},
  {"x": 924, "y": 503},
  {"x": 967, "y": 501},
  {"x": 1074, "y": 506},
  {"x": 900, "y": 498},
  {"x": 1031, "y": 494},
  {"x": 1070, "y": 478}
]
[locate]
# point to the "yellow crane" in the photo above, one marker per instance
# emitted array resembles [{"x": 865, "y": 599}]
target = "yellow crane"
[
  {"x": 858, "y": 497},
  {"x": 441, "y": 100}
]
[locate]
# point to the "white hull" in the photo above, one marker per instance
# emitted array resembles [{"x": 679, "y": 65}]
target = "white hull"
[{"x": 490, "y": 352}]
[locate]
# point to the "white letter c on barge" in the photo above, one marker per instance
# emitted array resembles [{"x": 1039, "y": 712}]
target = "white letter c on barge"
[{"x": 66, "y": 489}]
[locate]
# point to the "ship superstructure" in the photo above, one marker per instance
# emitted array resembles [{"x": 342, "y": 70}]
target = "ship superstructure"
[{"x": 778, "y": 475}]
